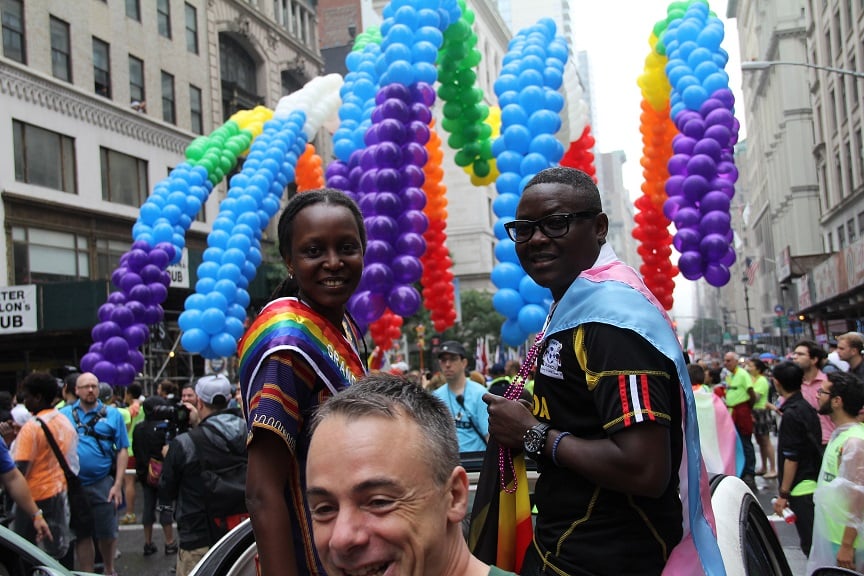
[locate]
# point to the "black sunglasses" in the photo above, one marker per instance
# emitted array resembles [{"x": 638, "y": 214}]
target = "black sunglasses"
[{"x": 552, "y": 226}]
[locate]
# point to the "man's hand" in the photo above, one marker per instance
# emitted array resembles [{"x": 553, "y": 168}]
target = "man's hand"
[
  {"x": 116, "y": 495},
  {"x": 846, "y": 557},
  {"x": 779, "y": 504},
  {"x": 7, "y": 432},
  {"x": 508, "y": 420},
  {"x": 194, "y": 417},
  {"x": 42, "y": 530}
]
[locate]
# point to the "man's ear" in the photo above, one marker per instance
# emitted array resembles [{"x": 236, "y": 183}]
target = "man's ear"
[
  {"x": 601, "y": 227},
  {"x": 457, "y": 490}
]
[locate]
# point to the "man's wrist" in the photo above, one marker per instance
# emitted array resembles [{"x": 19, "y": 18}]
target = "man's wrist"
[
  {"x": 38, "y": 514},
  {"x": 784, "y": 494}
]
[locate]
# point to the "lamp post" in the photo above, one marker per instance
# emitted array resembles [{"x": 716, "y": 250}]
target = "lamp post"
[{"x": 756, "y": 65}]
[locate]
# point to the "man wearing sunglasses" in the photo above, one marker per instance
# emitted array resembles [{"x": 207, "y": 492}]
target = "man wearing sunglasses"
[
  {"x": 839, "y": 496},
  {"x": 611, "y": 381}
]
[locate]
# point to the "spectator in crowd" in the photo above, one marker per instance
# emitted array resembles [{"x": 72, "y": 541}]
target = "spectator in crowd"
[
  {"x": 798, "y": 451},
  {"x": 39, "y": 465},
  {"x": 379, "y": 506},
  {"x": 132, "y": 416},
  {"x": 740, "y": 398},
  {"x": 849, "y": 349},
  {"x": 839, "y": 497},
  {"x": 808, "y": 355},
  {"x": 167, "y": 390},
  {"x": 500, "y": 380},
  {"x": 463, "y": 397},
  {"x": 69, "y": 396},
  {"x": 187, "y": 394},
  {"x": 763, "y": 416},
  {"x": 306, "y": 348},
  {"x": 834, "y": 356},
  {"x": 148, "y": 440},
  {"x": 215, "y": 440},
  {"x": 102, "y": 455}
]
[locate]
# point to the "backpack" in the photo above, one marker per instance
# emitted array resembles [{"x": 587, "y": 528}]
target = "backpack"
[{"x": 223, "y": 477}]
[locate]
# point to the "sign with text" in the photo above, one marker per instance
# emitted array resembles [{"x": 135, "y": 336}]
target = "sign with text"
[
  {"x": 180, "y": 272},
  {"x": 18, "y": 309}
]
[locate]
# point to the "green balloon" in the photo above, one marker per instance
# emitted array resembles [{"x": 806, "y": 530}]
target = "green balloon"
[
  {"x": 486, "y": 148},
  {"x": 453, "y": 109},
  {"x": 463, "y": 159},
  {"x": 481, "y": 168},
  {"x": 449, "y": 125},
  {"x": 659, "y": 27},
  {"x": 473, "y": 58},
  {"x": 468, "y": 16},
  {"x": 456, "y": 140}
]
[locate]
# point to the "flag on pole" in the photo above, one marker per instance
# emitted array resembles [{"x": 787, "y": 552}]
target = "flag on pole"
[
  {"x": 752, "y": 269},
  {"x": 480, "y": 356}
]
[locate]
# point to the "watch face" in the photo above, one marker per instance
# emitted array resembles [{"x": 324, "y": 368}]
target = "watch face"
[{"x": 533, "y": 441}]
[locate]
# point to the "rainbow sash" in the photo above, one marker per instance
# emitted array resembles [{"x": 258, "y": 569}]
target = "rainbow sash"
[{"x": 289, "y": 324}]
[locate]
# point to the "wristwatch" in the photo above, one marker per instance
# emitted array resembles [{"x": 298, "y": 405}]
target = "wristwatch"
[{"x": 535, "y": 439}]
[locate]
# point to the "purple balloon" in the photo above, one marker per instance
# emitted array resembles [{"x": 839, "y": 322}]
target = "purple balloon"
[
  {"x": 406, "y": 269},
  {"x": 397, "y": 91},
  {"x": 128, "y": 281},
  {"x": 686, "y": 217},
  {"x": 415, "y": 153},
  {"x": 672, "y": 205},
  {"x": 125, "y": 374},
  {"x": 677, "y": 164},
  {"x": 159, "y": 258},
  {"x": 89, "y": 360},
  {"x": 694, "y": 187},
  {"x": 379, "y": 251},
  {"x": 713, "y": 247},
  {"x": 729, "y": 258},
  {"x": 153, "y": 314},
  {"x": 695, "y": 128},
  {"x": 105, "y": 371},
  {"x": 115, "y": 349},
  {"x": 382, "y": 228},
  {"x": 686, "y": 240},
  {"x": 413, "y": 176},
  {"x": 690, "y": 265},
  {"x": 720, "y": 134},
  {"x": 708, "y": 147},
  {"x": 423, "y": 93},
  {"x": 367, "y": 204},
  {"x": 123, "y": 316},
  {"x": 339, "y": 183},
  {"x": 396, "y": 109},
  {"x": 404, "y": 300},
  {"x": 388, "y": 180},
  {"x": 136, "y": 358},
  {"x": 414, "y": 198},
  {"x": 105, "y": 311},
  {"x": 709, "y": 105},
  {"x": 158, "y": 292},
  {"x": 682, "y": 144},
  {"x": 368, "y": 182},
  {"x": 723, "y": 185},
  {"x": 336, "y": 168},
  {"x": 367, "y": 307},
  {"x": 387, "y": 155},
  {"x": 419, "y": 132},
  {"x": 411, "y": 244},
  {"x": 715, "y": 222},
  {"x": 136, "y": 335},
  {"x": 673, "y": 185},
  {"x": 719, "y": 117},
  {"x": 725, "y": 96},
  {"x": 392, "y": 131},
  {"x": 140, "y": 245},
  {"x": 714, "y": 200},
  {"x": 117, "y": 298},
  {"x": 421, "y": 112},
  {"x": 105, "y": 330},
  {"x": 702, "y": 165},
  {"x": 118, "y": 275},
  {"x": 378, "y": 278},
  {"x": 388, "y": 204},
  {"x": 137, "y": 260},
  {"x": 141, "y": 293},
  {"x": 151, "y": 273},
  {"x": 717, "y": 275},
  {"x": 413, "y": 221}
]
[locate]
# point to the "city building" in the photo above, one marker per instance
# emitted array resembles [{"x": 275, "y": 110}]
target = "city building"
[
  {"x": 617, "y": 205},
  {"x": 98, "y": 101}
]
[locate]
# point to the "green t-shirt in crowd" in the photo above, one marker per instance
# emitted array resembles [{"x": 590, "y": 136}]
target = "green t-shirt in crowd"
[
  {"x": 737, "y": 385},
  {"x": 762, "y": 388}
]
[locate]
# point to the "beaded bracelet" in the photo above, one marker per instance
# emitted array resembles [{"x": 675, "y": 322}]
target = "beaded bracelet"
[{"x": 555, "y": 446}]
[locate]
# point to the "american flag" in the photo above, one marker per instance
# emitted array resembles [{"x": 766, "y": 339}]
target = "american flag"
[{"x": 752, "y": 269}]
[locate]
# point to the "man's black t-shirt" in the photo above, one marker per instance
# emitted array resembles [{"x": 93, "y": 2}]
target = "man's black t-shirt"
[
  {"x": 799, "y": 439},
  {"x": 593, "y": 381}
]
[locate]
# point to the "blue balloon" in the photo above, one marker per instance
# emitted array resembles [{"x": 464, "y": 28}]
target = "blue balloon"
[
  {"x": 195, "y": 340},
  {"x": 507, "y": 275},
  {"x": 531, "y": 318},
  {"x": 505, "y": 251},
  {"x": 508, "y": 302},
  {"x": 223, "y": 345},
  {"x": 212, "y": 320},
  {"x": 512, "y": 334},
  {"x": 505, "y": 205},
  {"x": 532, "y": 292}
]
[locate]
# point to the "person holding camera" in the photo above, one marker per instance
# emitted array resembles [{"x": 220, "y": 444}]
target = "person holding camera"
[
  {"x": 148, "y": 440},
  {"x": 199, "y": 473},
  {"x": 102, "y": 454}
]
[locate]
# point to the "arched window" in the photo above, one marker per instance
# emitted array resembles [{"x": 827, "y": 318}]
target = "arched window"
[{"x": 239, "y": 73}]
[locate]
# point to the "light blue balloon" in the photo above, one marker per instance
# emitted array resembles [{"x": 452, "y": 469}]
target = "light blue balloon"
[
  {"x": 505, "y": 205},
  {"x": 512, "y": 334},
  {"x": 532, "y": 292},
  {"x": 508, "y": 302},
  {"x": 505, "y": 251},
  {"x": 507, "y": 275},
  {"x": 189, "y": 319},
  {"x": 195, "y": 340},
  {"x": 223, "y": 345},
  {"x": 212, "y": 320},
  {"x": 531, "y": 318}
]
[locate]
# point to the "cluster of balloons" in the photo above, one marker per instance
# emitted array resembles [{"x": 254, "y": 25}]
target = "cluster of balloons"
[
  {"x": 702, "y": 171},
  {"x": 309, "y": 174},
  {"x": 580, "y": 156},
  {"x": 651, "y": 229},
  {"x": 142, "y": 287},
  {"x": 437, "y": 279},
  {"x": 357, "y": 94},
  {"x": 527, "y": 90},
  {"x": 464, "y": 111},
  {"x": 385, "y": 330},
  {"x": 390, "y": 196}
]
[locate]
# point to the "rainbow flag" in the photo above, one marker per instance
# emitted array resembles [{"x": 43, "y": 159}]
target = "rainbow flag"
[{"x": 501, "y": 528}]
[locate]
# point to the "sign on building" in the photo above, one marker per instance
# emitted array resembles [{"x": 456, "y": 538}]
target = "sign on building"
[
  {"x": 18, "y": 309},
  {"x": 180, "y": 272}
]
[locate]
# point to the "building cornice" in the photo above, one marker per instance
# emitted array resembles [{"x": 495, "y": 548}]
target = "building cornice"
[{"x": 28, "y": 86}]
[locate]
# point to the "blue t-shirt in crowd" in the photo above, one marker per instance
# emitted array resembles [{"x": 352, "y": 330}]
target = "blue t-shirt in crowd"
[
  {"x": 6, "y": 461},
  {"x": 471, "y": 411},
  {"x": 97, "y": 454}
]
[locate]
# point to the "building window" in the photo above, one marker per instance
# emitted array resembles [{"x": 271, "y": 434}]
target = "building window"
[
  {"x": 133, "y": 10},
  {"x": 832, "y": 111},
  {"x": 853, "y": 81},
  {"x": 108, "y": 254},
  {"x": 850, "y": 230},
  {"x": 280, "y": 11},
  {"x": 136, "y": 81},
  {"x": 42, "y": 256},
  {"x": 841, "y": 237},
  {"x": 838, "y": 173},
  {"x": 124, "y": 178},
  {"x": 61, "y": 53},
  {"x": 828, "y": 57},
  {"x": 12, "y": 14},
  {"x": 101, "y": 68},
  {"x": 830, "y": 242},
  {"x": 850, "y": 167},
  {"x": 196, "y": 109},
  {"x": 861, "y": 223},
  {"x": 191, "y": 29},
  {"x": 169, "y": 111},
  {"x": 44, "y": 158},
  {"x": 163, "y": 17}
]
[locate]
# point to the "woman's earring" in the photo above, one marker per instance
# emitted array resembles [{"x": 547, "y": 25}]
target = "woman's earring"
[{"x": 290, "y": 274}]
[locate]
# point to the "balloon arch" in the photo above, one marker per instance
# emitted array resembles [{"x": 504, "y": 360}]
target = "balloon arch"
[{"x": 389, "y": 154}]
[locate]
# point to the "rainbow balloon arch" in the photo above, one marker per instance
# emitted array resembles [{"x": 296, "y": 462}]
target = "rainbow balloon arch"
[{"x": 389, "y": 154}]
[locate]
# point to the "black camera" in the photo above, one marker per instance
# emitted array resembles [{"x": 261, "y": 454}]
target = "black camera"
[{"x": 177, "y": 415}]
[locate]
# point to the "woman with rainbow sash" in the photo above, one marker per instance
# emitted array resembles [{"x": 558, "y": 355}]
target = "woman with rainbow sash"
[{"x": 300, "y": 350}]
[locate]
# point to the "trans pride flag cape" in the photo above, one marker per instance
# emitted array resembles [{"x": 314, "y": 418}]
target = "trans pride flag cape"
[
  {"x": 613, "y": 294},
  {"x": 289, "y": 324}
]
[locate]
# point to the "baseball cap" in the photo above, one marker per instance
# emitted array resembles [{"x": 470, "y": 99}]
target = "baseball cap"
[
  {"x": 452, "y": 347},
  {"x": 106, "y": 393},
  {"x": 209, "y": 387}
]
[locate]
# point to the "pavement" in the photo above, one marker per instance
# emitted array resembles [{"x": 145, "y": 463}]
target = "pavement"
[
  {"x": 786, "y": 533},
  {"x": 130, "y": 543}
]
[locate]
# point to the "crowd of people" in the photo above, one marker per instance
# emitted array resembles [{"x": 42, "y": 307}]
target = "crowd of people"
[{"x": 343, "y": 471}]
